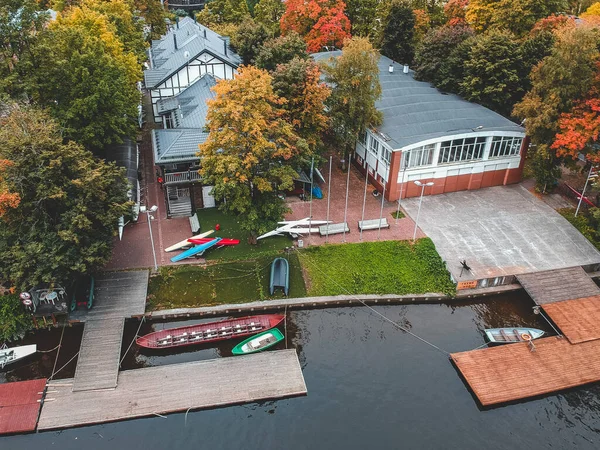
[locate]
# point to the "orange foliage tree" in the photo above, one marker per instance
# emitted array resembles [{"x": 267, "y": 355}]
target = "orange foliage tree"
[
  {"x": 320, "y": 22},
  {"x": 455, "y": 11},
  {"x": 580, "y": 128},
  {"x": 8, "y": 199}
]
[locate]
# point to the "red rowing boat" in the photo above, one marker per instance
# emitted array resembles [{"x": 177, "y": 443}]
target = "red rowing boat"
[
  {"x": 221, "y": 242},
  {"x": 209, "y": 332}
]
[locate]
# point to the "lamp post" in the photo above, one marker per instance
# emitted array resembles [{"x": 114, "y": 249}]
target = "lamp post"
[
  {"x": 422, "y": 185},
  {"x": 154, "y": 208}
]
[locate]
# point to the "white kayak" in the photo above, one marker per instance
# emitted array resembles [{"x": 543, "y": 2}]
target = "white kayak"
[
  {"x": 185, "y": 242},
  {"x": 11, "y": 355}
]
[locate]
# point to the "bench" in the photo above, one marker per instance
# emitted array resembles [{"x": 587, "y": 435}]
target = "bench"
[
  {"x": 372, "y": 224},
  {"x": 334, "y": 228},
  {"x": 194, "y": 224}
]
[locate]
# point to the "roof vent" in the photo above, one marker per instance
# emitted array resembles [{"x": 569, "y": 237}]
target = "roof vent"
[
  {"x": 205, "y": 33},
  {"x": 391, "y": 68},
  {"x": 405, "y": 70},
  {"x": 175, "y": 40}
]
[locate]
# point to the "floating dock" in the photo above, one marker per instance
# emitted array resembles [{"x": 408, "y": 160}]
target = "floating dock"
[
  {"x": 174, "y": 388},
  {"x": 20, "y": 405}
]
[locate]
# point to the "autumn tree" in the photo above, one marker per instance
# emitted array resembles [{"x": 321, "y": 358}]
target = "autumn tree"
[
  {"x": 69, "y": 204},
  {"x": 555, "y": 90},
  {"x": 299, "y": 83},
  {"x": 154, "y": 14},
  {"x": 493, "y": 72},
  {"x": 268, "y": 13},
  {"x": 440, "y": 57},
  {"x": 455, "y": 12},
  {"x": 248, "y": 39},
  {"x": 586, "y": 6},
  {"x": 20, "y": 23},
  {"x": 8, "y": 199},
  {"x": 79, "y": 70},
  {"x": 354, "y": 77},
  {"x": 280, "y": 50},
  {"x": 398, "y": 33},
  {"x": 251, "y": 150},
  {"x": 516, "y": 16},
  {"x": 322, "y": 23}
]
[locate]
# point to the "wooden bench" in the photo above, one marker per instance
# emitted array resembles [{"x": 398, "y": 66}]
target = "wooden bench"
[
  {"x": 372, "y": 224},
  {"x": 194, "y": 224},
  {"x": 334, "y": 228}
]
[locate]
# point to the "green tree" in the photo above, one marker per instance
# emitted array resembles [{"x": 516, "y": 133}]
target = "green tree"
[
  {"x": 354, "y": 77},
  {"x": 555, "y": 90},
  {"x": 14, "y": 321},
  {"x": 79, "y": 71},
  {"x": 281, "y": 50},
  {"x": 362, "y": 15},
  {"x": 219, "y": 12},
  {"x": 69, "y": 205},
  {"x": 248, "y": 39},
  {"x": 398, "y": 33},
  {"x": 493, "y": 72},
  {"x": 268, "y": 13},
  {"x": 20, "y": 22},
  {"x": 154, "y": 15},
  {"x": 298, "y": 82},
  {"x": 250, "y": 151},
  {"x": 433, "y": 56}
]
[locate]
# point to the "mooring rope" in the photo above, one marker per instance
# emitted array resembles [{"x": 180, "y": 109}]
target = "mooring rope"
[
  {"x": 65, "y": 365},
  {"x": 285, "y": 327},
  {"x": 400, "y": 327},
  {"x": 133, "y": 340},
  {"x": 58, "y": 352},
  {"x": 48, "y": 351}
]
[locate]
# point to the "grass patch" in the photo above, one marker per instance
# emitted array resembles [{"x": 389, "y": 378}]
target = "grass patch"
[
  {"x": 228, "y": 282},
  {"x": 388, "y": 267},
  {"x": 398, "y": 215},
  {"x": 584, "y": 222},
  {"x": 230, "y": 228}
]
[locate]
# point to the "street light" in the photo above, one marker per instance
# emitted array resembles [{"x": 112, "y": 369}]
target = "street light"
[
  {"x": 154, "y": 208},
  {"x": 422, "y": 185}
]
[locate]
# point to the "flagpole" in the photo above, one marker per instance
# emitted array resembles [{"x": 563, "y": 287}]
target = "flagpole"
[
  {"x": 312, "y": 165},
  {"x": 401, "y": 188},
  {"x": 584, "y": 188},
  {"x": 328, "y": 200},
  {"x": 347, "y": 188},
  {"x": 365, "y": 196},
  {"x": 381, "y": 210}
]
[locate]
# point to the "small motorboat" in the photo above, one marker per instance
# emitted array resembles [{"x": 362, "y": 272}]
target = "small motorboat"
[
  {"x": 508, "y": 335},
  {"x": 259, "y": 342},
  {"x": 11, "y": 355},
  {"x": 280, "y": 275},
  {"x": 204, "y": 333}
]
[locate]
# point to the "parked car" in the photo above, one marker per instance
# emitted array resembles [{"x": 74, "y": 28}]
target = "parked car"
[{"x": 82, "y": 292}]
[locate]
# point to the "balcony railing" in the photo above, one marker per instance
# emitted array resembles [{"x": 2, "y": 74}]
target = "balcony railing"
[{"x": 182, "y": 177}]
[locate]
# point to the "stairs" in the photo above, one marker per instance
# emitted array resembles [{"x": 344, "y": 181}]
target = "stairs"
[{"x": 180, "y": 204}]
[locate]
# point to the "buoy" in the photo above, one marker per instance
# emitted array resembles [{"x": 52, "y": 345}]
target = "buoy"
[
  {"x": 217, "y": 227},
  {"x": 526, "y": 337}
]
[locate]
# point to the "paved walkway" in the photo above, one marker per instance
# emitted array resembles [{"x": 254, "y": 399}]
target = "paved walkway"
[{"x": 502, "y": 230}]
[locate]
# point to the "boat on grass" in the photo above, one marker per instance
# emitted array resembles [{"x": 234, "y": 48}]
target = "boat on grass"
[
  {"x": 204, "y": 333},
  {"x": 259, "y": 342},
  {"x": 280, "y": 275},
  {"x": 14, "y": 354},
  {"x": 197, "y": 250},
  {"x": 508, "y": 335}
]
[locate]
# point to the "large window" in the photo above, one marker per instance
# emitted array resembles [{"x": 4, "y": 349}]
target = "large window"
[
  {"x": 505, "y": 146},
  {"x": 421, "y": 156},
  {"x": 457, "y": 150},
  {"x": 386, "y": 155},
  {"x": 374, "y": 147},
  {"x": 362, "y": 138}
]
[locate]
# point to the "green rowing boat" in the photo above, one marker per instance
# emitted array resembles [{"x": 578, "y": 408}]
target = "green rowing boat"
[{"x": 259, "y": 342}]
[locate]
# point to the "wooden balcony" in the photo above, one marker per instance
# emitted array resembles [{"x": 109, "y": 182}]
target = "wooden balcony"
[{"x": 190, "y": 176}]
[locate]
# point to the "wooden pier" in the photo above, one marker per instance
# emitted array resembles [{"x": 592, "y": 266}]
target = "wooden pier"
[
  {"x": 176, "y": 387},
  {"x": 516, "y": 371}
]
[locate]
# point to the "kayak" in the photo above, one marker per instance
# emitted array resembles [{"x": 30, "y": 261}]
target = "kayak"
[{"x": 224, "y": 241}]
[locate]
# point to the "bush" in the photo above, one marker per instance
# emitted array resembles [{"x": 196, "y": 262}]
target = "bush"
[
  {"x": 585, "y": 222},
  {"x": 14, "y": 321}
]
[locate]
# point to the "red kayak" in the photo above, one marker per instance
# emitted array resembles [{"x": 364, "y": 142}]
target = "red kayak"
[
  {"x": 209, "y": 332},
  {"x": 221, "y": 242}
]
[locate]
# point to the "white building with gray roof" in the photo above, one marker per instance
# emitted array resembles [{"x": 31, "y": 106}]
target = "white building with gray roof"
[{"x": 431, "y": 136}]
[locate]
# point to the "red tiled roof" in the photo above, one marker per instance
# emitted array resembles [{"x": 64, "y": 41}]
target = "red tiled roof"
[{"x": 19, "y": 406}]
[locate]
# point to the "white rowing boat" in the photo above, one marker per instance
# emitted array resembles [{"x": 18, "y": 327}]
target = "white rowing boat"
[
  {"x": 186, "y": 243},
  {"x": 11, "y": 355}
]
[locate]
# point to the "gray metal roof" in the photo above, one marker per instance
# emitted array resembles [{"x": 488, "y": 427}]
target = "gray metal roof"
[
  {"x": 125, "y": 155},
  {"x": 415, "y": 111},
  {"x": 190, "y": 108},
  {"x": 192, "y": 38}
]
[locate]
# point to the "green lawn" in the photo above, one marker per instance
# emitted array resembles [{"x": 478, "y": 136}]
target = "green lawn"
[
  {"x": 230, "y": 229},
  {"x": 227, "y": 282},
  {"x": 388, "y": 267}
]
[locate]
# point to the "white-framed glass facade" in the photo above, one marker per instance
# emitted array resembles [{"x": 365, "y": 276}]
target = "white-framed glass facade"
[
  {"x": 386, "y": 155},
  {"x": 503, "y": 146},
  {"x": 456, "y": 150},
  {"x": 362, "y": 138},
  {"x": 374, "y": 146},
  {"x": 420, "y": 156}
]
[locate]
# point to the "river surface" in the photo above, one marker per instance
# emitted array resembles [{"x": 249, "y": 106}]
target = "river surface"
[{"x": 370, "y": 386}]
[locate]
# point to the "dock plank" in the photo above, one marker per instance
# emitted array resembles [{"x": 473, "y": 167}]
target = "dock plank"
[
  {"x": 512, "y": 372},
  {"x": 578, "y": 320},
  {"x": 558, "y": 285},
  {"x": 99, "y": 354},
  {"x": 177, "y": 387}
]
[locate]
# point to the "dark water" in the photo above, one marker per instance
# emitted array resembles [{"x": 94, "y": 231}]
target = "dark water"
[{"x": 369, "y": 386}]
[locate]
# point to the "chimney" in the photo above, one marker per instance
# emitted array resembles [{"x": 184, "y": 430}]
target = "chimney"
[
  {"x": 405, "y": 70},
  {"x": 225, "y": 43},
  {"x": 175, "y": 40},
  {"x": 177, "y": 22},
  {"x": 391, "y": 68},
  {"x": 205, "y": 33}
]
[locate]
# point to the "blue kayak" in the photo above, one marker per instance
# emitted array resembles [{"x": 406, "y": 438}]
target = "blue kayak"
[
  {"x": 317, "y": 193},
  {"x": 197, "y": 249}
]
